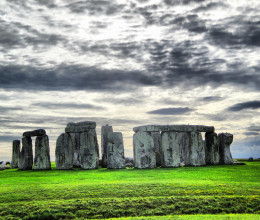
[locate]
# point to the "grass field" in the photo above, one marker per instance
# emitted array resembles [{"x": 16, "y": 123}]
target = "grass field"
[{"x": 177, "y": 193}]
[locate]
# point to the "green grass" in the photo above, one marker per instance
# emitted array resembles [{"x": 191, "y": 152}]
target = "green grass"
[{"x": 104, "y": 193}]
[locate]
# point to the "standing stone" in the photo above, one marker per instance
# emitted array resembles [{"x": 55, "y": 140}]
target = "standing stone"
[
  {"x": 225, "y": 139},
  {"x": 184, "y": 142},
  {"x": 105, "y": 130},
  {"x": 115, "y": 151},
  {"x": 42, "y": 153},
  {"x": 25, "y": 161},
  {"x": 197, "y": 153},
  {"x": 64, "y": 152},
  {"x": 212, "y": 148},
  {"x": 144, "y": 154},
  {"x": 170, "y": 149},
  {"x": 15, "y": 153},
  {"x": 75, "y": 138},
  {"x": 157, "y": 147},
  {"x": 88, "y": 151}
]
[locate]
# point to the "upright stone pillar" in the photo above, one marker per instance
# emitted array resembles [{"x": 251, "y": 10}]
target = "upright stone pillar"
[
  {"x": 170, "y": 149},
  {"x": 212, "y": 148},
  {"x": 25, "y": 161},
  {"x": 42, "y": 153},
  {"x": 105, "y": 130},
  {"x": 75, "y": 138},
  {"x": 115, "y": 151},
  {"x": 157, "y": 147},
  {"x": 64, "y": 152},
  {"x": 144, "y": 154},
  {"x": 88, "y": 151},
  {"x": 184, "y": 142},
  {"x": 225, "y": 140},
  {"x": 15, "y": 153},
  {"x": 197, "y": 154}
]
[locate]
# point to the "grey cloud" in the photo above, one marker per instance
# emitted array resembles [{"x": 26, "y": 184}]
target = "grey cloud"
[
  {"x": 254, "y": 128},
  {"x": 185, "y": 2},
  {"x": 211, "y": 99},
  {"x": 211, "y": 6},
  {"x": 4, "y": 109},
  {"x": 6, "y": 138},
  {"x": 121, "y": 101},
  {"x": 171, "y": 111},
  {"x": 251, "y": 133},
  {"x": 245, "y": 105},
  {"x": 51, "y": 105},
  {"x": 74, "y": 77}
]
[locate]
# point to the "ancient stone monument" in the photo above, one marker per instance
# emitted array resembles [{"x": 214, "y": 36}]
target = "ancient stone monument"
[
  {"x": 170, "y": 150},
  {"x": 80, "y": 142},
  {"x": 179, "y": 144},
  {"x": 25, "y": 161},
  {"x": 225, "y": 139},
  {"x": 105, "y": 130},
  {"x": 157, "y": 147},
  {"x": 42, "y": 153},
  {"x": 144, "y": 153},
  {"x": 15, "y": 153},
  {"x": 212, "y": 148},
  {"x": 115, "y": 151},
  {"x": 63, "y": 152}
]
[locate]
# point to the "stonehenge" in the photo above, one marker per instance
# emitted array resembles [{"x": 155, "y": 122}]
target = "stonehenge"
[
  {"x": 42, "y": 153},
  {"x": 15, "y": 153},
  {"x": 166, "y": 146},
  {"x": 115, "y": 151}
]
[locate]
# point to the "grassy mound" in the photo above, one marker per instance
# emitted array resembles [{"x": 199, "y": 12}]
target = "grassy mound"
[{"x": 104, "y": 193}]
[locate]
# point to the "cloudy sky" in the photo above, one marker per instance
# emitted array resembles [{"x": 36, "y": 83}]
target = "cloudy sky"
[{"x": 130, "y": 63}]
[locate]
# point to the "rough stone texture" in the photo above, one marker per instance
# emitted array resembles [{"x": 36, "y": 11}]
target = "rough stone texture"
[
  {"x": 157, "y": 147},
  {"x": 176, "y": 128},
  {"x": 170, "y": 153},
  {"x": 105, "y": 130},
  {"x": 144, "y": 154},
  {"x": 197, "y": 153},
  {"x": 80, "y": 127},
  {"x": 75, "y": 138},
  {"x": 25, "y": 161},
  {"x": 38, "y": 132},
  {"x": 212, "y": 148},
  {"x": 93, "y": 132},
  {"x": 129, "y": 162},
  {"x": 15, "y": 153},
  {"x": 42, "y": 153},
  {"x": 115, "y": 151},
  {"x": 225, "y": 139},
  {"x": 88, "y": 151},
  {"x": 184, "y": 142},
  {"x": 64, "y": 152}
]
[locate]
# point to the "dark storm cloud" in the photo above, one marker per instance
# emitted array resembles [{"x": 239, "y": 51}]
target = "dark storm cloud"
[
  {"x": 185, "y": 2},
  {"x": 251, "y": 133},
  {"x": 94, "y": 7},
  {"x": 74, "y": 77},
  {"x": 245, "y": 105},
  {"x": 171, "y": 111},
  {"x": 211, "y": 6},
  {"x": 47, "y": 3},
  {"x": 50, "y": 105}
]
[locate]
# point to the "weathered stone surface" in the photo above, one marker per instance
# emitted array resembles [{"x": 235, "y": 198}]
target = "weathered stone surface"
[
  {"x": 115, "y": 151},
  {"x": 15, "y": 153},
  {"x": 42, "y": 153},
  {"x": 80, "y": 127},
  {"x": 157, "y": 147},
  {"x": 93, "y": 132},
  {"x": 184, "y": 142},
  {"x": 105, "y": 130},
  {"x": 170, "y": 153},
  {"x": 176, "y": 128},
  {"x": 75, "y": 138},
  {"x": 197, "y": 153},
  {"x": 212, "y": 148},
  {"x": 225, "y": 140},
  {"x": 144, "y": 154},
  {"x": 64, "y": 152},
  {"x": 38, "y": 132},
  {"x": 129, "y": 162},
  {"x": 25, "y": 161},
  {"x": 88, "y": 151}
]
